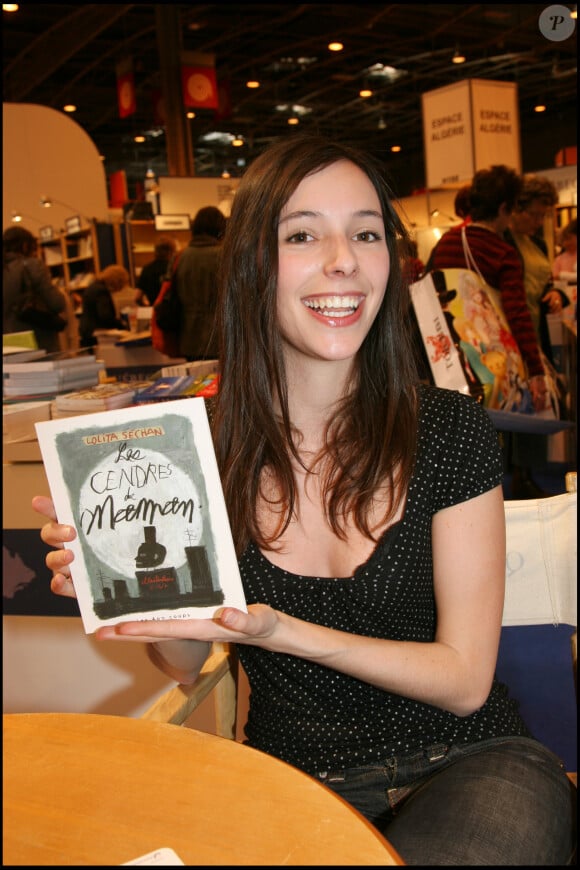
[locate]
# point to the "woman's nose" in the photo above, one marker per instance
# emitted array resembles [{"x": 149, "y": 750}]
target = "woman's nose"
[{"x": 341, "y": 257}]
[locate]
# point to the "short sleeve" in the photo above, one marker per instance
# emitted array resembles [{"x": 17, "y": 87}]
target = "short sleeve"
[{"x": 459, "y": 448}]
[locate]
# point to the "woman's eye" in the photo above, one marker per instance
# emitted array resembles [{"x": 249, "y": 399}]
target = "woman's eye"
[
  {"x": 300, "y": 236},
  {"x": 368, "y": 236}
]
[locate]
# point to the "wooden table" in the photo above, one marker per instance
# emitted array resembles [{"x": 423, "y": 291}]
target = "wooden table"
[{"x": 93, "y": 790}]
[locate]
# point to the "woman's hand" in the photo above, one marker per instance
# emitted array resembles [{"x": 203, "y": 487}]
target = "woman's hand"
[
  {"x": 230, "y": 625},
  {"x": 539, "y": 391},
  {"x": 56, "y": 535},
  {"x": 553, "y": 300}
]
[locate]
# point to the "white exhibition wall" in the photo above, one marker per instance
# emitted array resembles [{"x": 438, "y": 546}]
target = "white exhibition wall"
[{"x": 46, "y": 153}]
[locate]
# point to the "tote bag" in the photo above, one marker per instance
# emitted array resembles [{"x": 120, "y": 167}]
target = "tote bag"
[{"x": 468, "y": 341}]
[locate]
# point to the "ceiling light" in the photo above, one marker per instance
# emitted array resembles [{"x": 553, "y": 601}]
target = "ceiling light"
[
  {"x": 539, "y": 107},
  {"x": 238, "y": 141},
  {"x": 388, "y": 73},
  {"x": 139, "y": 139},
  {"x": 335, "y": 46},
  {"x": 458, "y": 57},
  {"x": 16, "y": 217},
  {"x": 70, "y": 107},
  {"x": 395, "y": 149},
  {"x": 191, "y": 115},
  {"x": 10, "y": 7},
  {"x": 293, "y": 121},
  {"x": 252, "y": 83},
  {"x": 295, "y": 108},
  {"x": 365, "y": 93}
]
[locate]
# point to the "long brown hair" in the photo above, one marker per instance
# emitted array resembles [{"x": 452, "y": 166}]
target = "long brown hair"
[{"x": 372, "y": 438}]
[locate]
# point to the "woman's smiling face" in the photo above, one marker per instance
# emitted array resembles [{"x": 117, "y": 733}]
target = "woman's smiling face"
[{"x": 333, "y": 263}]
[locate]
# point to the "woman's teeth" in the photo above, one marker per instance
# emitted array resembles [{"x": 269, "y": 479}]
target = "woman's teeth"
[{"x": 334, "y": 306}]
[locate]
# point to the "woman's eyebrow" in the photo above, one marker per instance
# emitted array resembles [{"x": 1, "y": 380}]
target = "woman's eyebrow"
[{"x": 362, "y": 213}]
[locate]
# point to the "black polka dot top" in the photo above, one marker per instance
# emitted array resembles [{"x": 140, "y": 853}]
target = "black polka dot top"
[{"x": 318, "y": 719}]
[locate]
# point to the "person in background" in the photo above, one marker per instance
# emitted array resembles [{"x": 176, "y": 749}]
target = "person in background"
[
  {"x": 22, "y": 264},
  {"x": 197, "y": 284},
  {"x": 538, "y": 196},
  {"x": 99, "y": 311},
  {"x": 152, "y": 274},
  {"x": 494, "y": 194},
  {"x": 413, "y": 267},
  {"x": 565, "y": 265},
  {"x": 69, "y": 338},
  {"x": 461, "y": 204},
  {"x": 525, "y": 232},
  {"x": 368, "y": 520}
]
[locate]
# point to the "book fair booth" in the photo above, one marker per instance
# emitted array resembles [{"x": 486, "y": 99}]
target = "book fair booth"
[{"x": 57, "y": 180}]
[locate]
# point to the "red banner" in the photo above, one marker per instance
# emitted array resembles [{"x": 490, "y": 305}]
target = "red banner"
[
  {"x": 199, "y": 87},
  {"x": 126, "y": 97}
]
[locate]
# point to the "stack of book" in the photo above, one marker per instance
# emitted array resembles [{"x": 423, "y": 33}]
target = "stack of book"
[
  {"x": 101, "y": 397},
  {"x": 197, "y": 368},
  {"x": 49, "y": 376},
  {"x": 18, "y": 420},
  {"x": 165, "y": 389}
]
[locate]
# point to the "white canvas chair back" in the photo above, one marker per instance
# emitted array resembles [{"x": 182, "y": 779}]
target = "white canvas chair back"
[{"x": 541, "y": 561}]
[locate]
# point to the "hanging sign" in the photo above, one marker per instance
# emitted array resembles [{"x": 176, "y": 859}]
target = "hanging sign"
[
  {"x": 198, "y": 80},
  {"x": 469, "y": 126},
  {"x": 126, "y": 97}
]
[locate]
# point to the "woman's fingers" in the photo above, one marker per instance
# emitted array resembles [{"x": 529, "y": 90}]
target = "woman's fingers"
[
  {"x": 62, "y": 585},
  {"x": 43, "y": 505}
]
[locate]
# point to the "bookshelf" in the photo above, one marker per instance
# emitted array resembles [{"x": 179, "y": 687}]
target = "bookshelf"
[{"x": 72, "y": 258}]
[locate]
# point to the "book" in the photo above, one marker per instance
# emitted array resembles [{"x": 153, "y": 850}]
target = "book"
[
  {"x": 46, "y": 364},
  {"x": 100, "y": 397},
  {"x": 164, "y": 389},
  {"x": 24, "y": 340},
  {"x": 21, "y": 354},
  {"x": 19, "y": 418},
  {"x": 198, "y": 368},
  {"x": 141, "y": 486},
  {"x": 51, "y": 383}
]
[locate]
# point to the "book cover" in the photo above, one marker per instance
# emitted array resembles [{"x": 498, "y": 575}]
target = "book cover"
[{"x": 141, "y": 487}]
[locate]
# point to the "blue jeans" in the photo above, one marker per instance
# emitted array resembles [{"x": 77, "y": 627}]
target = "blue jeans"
[{"x": 500, "y": 802}]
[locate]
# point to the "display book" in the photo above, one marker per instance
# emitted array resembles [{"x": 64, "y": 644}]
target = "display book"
[
  {"x": 141, "y": 487},
  {"x": 100, "y": 397},
  {"x": 51, "y": 374}
]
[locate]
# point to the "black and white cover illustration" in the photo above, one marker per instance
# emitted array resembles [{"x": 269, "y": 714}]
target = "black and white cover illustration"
[{"x": 141, "y": 487}]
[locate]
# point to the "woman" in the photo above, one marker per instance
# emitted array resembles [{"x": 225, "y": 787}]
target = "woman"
[
  {"x": 23, "y": 269},
  {"x": 538, "y": 196},
  {"x": 98, "y": 306},
  {"x": 362, "y": 508},
  {"x": 536, "y": 199},
  {"x": 197, "y": 285},
  {"x": 494, "y": 193}
]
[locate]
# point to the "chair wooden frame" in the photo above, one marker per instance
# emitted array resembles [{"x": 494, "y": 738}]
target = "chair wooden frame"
[{"x": 219, "y": 673}]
